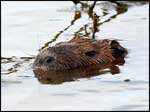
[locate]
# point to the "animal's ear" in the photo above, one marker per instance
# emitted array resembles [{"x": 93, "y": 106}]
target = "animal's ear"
[
  {"x": 113, "y": 43},
  {"x": 90, "y": 53},
  {"x": 110, "y": 42},
  {"x": 118, "y": 50}
]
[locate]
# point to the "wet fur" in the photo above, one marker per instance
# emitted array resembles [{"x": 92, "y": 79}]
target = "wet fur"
[{"x": 80, "y": 52}]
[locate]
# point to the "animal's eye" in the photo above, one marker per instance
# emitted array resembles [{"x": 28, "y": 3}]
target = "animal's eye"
[
  {"x": 90, "y": 53},
  {"x": 49, "y": 59}
]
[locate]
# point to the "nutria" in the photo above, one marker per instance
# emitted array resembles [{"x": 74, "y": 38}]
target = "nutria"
[{"x": 77, "y": 53}]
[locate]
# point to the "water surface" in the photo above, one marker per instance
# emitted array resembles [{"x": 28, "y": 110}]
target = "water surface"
[{"x": 27, "y": 26}]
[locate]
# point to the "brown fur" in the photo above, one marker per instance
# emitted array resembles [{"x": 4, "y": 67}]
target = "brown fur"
[{"x": 79, "y": 52}]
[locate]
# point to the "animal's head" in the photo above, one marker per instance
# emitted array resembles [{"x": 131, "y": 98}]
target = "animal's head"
[{"x": 78, "y": 52}]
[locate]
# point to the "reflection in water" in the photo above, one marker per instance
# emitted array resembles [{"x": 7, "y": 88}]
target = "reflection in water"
[
  {"x": 16, "y": 63},
  {"x": 58, "y": 77}
]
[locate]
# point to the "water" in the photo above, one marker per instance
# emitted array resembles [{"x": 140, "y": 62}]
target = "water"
[{"x": 27, "y": 26}]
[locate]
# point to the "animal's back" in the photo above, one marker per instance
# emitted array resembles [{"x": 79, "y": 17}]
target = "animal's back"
[{"x": 79, "y": 52}]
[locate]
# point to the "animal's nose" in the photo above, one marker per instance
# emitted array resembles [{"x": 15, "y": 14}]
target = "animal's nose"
[{"x": 49, "y": 59}]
